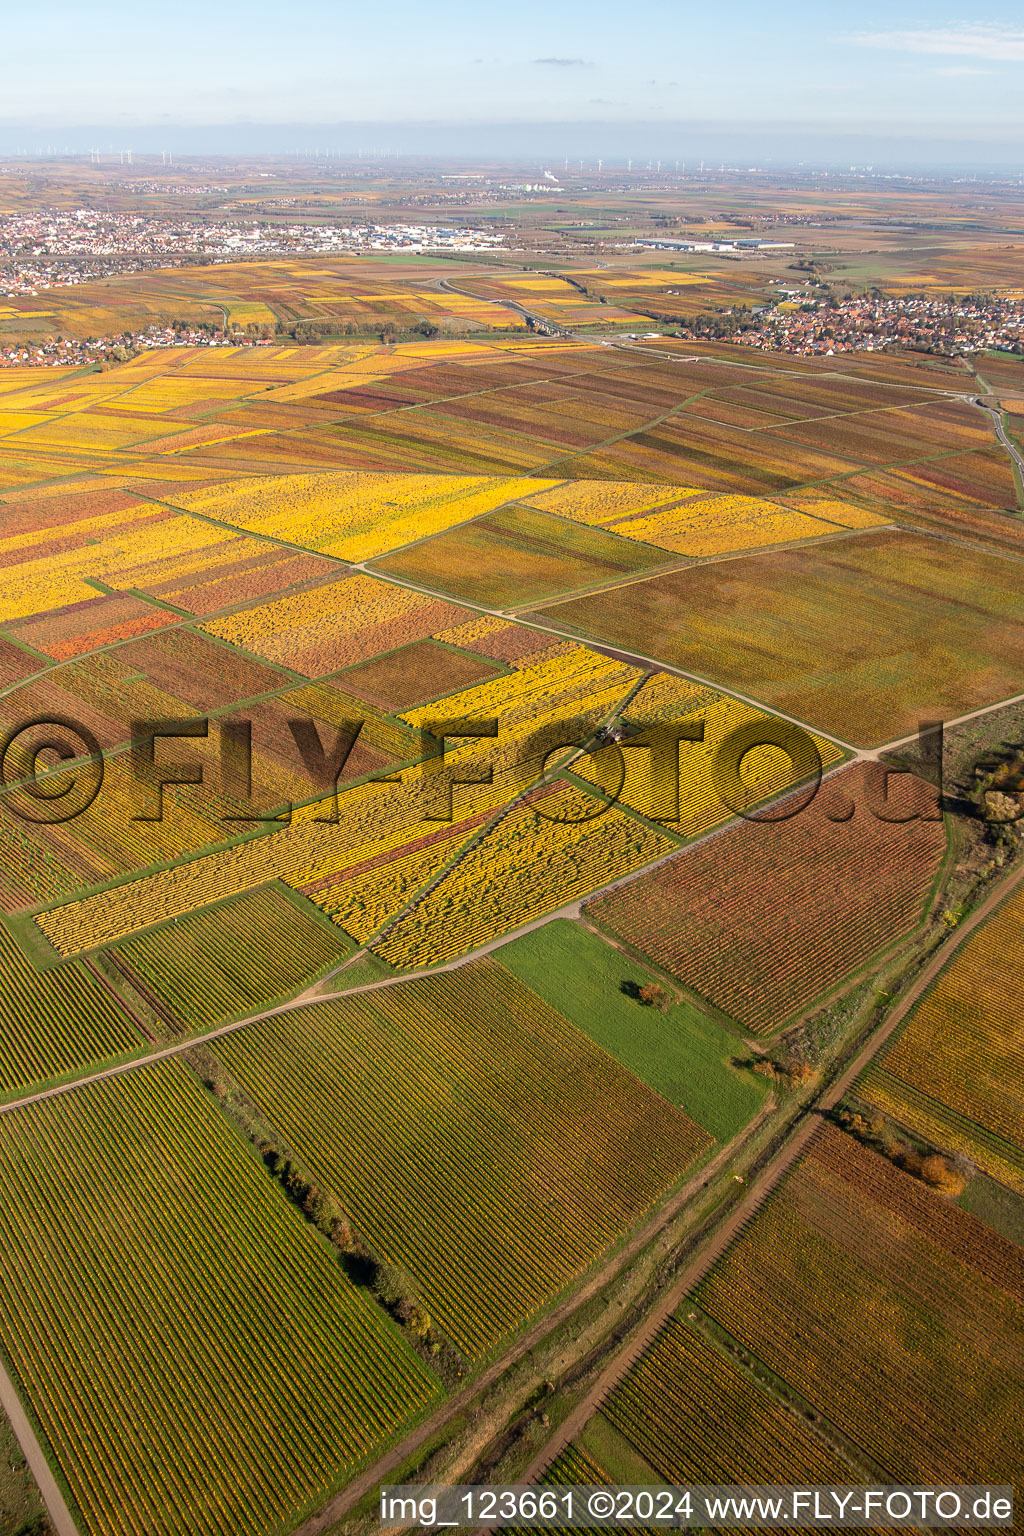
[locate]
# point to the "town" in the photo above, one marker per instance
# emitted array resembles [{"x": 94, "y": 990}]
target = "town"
[{"x": 56, "y": 248}]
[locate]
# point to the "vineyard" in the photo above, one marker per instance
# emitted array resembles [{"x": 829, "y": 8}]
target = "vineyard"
[
  {"x": 955, "y": 1066},
  {"x": 478, "y": 1140},
  {"x": 692, "y": 1414},
  {"x": 541, "y": 856},
  {"x": 518, "y": 556},
  {"x": 354, "y": 516},
  {"x": 325, "y": 838},
  {"x": 575, "y": 1466},
  {"x": 343, "y": 289},
  {"x": 854, "y": 1260},
  {"x": 604, "y": 502},
  {"x": 552, "y": 297},
  {"x": 691, "y": 800},
  {"x": 335, "y": 625},
  {"x": 416, "y": 673},
  {"x": 499, "y": 639},
  {"x": 198, "y": 1364},
  {"x": 362, "y": 891},
  {"x": 637, "y": 432},
  {"x": 676, "y": 1049},
  {"x": 717, "y": 525},
  {"x": 67, "y": 632},
  {"x": 109, "y": 839},
  {"x": 730, "y": 917},
  {"x": 48, "y": 563},
  {"x": 919, "y": 637},
  {"x": 371, "y": 820},
  {"x": 559, "y": 697},
  {"x": 235, "y": 958},
  {"x": 55, "y": 1021},
  {"x": 426, "y": 536}
]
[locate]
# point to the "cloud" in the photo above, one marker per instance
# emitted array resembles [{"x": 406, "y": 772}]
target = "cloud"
[
  {"x": 565, "y": 63},
  {"x": 955, "y": 71},
  {"x": 971, "y": 40}
]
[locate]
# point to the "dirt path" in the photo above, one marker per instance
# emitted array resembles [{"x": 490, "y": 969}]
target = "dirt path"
[
  {"x": 53, "y": 1499},
  {"x": 368, "y": 1480},
  {"x": 958, "y": 938},
  {"x": 759, "y": 1190},
  {"x": 690, "y": 1276}
]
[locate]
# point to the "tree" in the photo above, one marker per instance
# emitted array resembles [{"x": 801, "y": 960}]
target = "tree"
[
  {"x": 389, "y": 333},
  {"x": 653, "y": 996},
  {"x": 391, "y": 1287},
  {"x": 939, "y": 1172}
]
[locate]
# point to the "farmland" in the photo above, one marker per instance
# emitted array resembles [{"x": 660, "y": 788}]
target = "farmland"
[
  {"x": 338, "y": 290},
  {"x": 953, "y": 1073},
  {"x": 385, "y": 833},
  {"x": 453, "y": 1018},
  {"x": 697, "y": 797},
  {"x": 201, "y": 1367},
  {"x": 183, "y": 425},
  {"x": 748, "y": 897},
  {"x": 232, "y": 959},
  {"x": 681, "y": 1053},
  {"x": 354, "y": 516},
  {"x": 414, "y": 674},
  {"x": 920, "y": 638},
  {"x": 335, "y": 625},
  {"x": 854, "y": 1256},
  {"x": 717, "y": 525},
  {"x": 354, "y": 1087},
  {"x": 519, "y": 555},
  {"x": 697, "y": 1419},
  {"x": 541, "y": 856},
  {"x": 57, "y": 1021}
]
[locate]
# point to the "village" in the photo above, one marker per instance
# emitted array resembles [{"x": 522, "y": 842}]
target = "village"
[{"x": 806, "y": 322}]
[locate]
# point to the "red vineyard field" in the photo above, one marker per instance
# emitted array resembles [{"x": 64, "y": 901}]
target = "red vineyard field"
[
  {"x": 957, "y": 1061},
  {"x": 870, "y": 1295},
  {"x": 696, "y": 1419},
  {"x": 771, "y": 915}
]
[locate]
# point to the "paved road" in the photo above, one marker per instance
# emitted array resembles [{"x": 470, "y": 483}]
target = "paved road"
[{"x": 997, "y": 422}]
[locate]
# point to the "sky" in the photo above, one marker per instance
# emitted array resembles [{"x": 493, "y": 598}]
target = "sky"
[{"x": 898, "y": 68}]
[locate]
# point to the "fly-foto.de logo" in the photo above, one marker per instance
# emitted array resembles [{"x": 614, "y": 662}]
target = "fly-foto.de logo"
[{"x": 52, "y": 768}]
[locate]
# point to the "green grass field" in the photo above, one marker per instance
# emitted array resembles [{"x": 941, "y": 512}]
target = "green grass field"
[{"x": 681, "y": 1054}]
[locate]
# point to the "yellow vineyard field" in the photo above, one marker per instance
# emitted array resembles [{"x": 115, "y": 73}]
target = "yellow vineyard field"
[{"x": 355, "y": 515}]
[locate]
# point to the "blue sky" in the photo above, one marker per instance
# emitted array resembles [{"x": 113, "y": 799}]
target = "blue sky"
[{"x": 404, "y": 61}]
